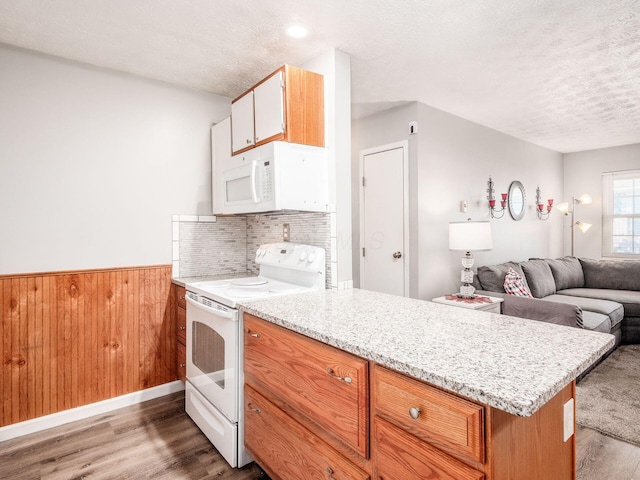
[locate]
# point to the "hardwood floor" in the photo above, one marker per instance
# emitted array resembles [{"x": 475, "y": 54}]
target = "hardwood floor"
[
  {"x": 154, "y": 439},
  {"x": 157, "y": 439}
]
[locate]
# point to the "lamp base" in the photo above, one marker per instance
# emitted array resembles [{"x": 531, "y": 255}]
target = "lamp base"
[{"x": 466, "y": 291}]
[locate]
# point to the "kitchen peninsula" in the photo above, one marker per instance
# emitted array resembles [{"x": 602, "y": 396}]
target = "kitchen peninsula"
[{"x": 357, "y": 384}]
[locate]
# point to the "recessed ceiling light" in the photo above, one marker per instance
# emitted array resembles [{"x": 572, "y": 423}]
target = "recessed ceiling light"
[{"x": 297, "y": 31}]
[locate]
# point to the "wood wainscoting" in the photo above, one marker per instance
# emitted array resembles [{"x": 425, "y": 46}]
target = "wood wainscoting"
[{"x": 74, "y": 338}]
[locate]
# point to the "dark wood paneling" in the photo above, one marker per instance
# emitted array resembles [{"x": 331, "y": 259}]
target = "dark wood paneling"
[{"x": 74, "y": 338}]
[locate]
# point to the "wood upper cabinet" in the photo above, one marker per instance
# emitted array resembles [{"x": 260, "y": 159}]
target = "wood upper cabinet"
[
  {"x": 325, "y": 385},
  {"x": 179, "y": 295},
  {"x": 287, "y": 105}
]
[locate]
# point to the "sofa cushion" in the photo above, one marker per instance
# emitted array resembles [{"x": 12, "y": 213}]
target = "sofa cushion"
[
  {"x": 491, "y": 277},
  {"x": 514, "y": 284},
  {"x": 629, "y": 299},
  {"x": 613, "y": 310},
  {"x": 614, "y": 274},
  {"x": 567, "y": 272},
  {"x": 596, "y": 322},
  {"x": 539, "y": 278}
]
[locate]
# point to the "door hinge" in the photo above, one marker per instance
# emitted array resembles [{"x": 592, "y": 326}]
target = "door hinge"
[
  {"x": 364, "y": 182},
  {"x": 363, "y": 251},
  {"x": 284, "y": 127}
]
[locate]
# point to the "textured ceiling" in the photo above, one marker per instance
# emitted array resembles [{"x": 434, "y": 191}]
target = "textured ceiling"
[{"x": 564, "y": 74}]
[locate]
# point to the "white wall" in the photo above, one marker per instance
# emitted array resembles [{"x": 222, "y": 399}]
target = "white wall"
[
  {"x": 335, "y": 66},
  {"x": 451, "y": 160},
  {"x": 583, "y": 174},
  {"x": 94, "y": 162}
]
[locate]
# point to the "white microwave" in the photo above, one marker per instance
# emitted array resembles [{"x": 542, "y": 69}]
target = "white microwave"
[{"x": 274, "y": 176}]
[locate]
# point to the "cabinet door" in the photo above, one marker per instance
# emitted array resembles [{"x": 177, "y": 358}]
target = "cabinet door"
[
  {"x": 286, "y": 449},
  {"x": 400, "y": 455},
  {"x": 242, "y": 129},
  {"x": 269, "y": 109},
  {"x": 326, "y": 385}
]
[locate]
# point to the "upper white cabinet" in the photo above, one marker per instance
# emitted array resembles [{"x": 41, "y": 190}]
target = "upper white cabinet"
[
  {"x": 242, "y": 134},
  {"x": 288, "y": 105}
]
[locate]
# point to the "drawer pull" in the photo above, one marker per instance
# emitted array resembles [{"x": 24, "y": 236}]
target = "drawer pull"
[
  {"x": 254, "y": 335},
  {"x": 182, "y": 327},
  {"x": 414, "y": 412},
  {"x": 257, "y": 410},
  {"x": 183, "y": 365},
  {"x": 337, "y": 377},
  {"x": 330, "y": 472},
  {"x": 182, "y": 297}
]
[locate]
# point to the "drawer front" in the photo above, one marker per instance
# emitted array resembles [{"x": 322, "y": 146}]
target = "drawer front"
[
  {"x": 400, "y": 455},
  {"x": 181, "y": 300},
  {"x": 441, "y": 418},
  {"x": 286, "y": 449},
  {"x": 181, "y": 360},
  {"x": 326, "y": 385},
  {"x": 181, "y": 325}
]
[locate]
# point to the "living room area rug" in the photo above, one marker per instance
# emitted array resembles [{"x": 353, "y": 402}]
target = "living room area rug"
[{"x": 608, "y": 398}]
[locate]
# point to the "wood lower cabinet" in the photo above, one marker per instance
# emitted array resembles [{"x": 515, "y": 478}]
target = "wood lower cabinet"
[
  {"x": 286, "y": 449},
  {"x": 179, "y": 295},
  {"x": 307, "y": 416}
]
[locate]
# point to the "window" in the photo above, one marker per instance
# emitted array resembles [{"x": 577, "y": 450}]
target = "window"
[{"x": 621, "y": 214}]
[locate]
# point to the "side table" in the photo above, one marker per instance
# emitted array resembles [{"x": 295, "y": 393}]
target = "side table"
[{"x": 479, "y": 302}]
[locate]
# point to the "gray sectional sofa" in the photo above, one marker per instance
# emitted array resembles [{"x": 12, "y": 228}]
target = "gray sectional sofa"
[{"x": 600, "y": 295}]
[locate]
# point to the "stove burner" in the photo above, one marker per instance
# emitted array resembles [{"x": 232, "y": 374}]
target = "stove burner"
[{"x": 249, "y": 282}]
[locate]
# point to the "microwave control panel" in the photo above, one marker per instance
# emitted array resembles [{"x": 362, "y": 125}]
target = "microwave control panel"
[{"x": 267, "y": 185}]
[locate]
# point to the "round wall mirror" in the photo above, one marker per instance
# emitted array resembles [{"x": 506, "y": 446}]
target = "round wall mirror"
[{"x": 516, "y": 200}]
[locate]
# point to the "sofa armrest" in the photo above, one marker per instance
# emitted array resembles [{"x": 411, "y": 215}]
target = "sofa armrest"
[{"x": 538, "y": 309}]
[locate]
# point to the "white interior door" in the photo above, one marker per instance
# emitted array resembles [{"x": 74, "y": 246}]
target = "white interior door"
[{"x": 383, "y": 220}]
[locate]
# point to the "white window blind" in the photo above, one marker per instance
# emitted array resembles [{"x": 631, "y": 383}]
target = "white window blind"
[{"x": 621, "y": 214}]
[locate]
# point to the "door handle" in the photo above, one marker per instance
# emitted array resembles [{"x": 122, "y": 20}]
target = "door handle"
[{"x": 397, "y": 255}]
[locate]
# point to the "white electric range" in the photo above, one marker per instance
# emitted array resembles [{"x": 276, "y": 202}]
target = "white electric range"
[{"x": 215, "y": 380}]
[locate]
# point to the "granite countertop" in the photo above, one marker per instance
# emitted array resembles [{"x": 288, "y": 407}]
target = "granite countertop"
[{"x": 513, "y": 364}]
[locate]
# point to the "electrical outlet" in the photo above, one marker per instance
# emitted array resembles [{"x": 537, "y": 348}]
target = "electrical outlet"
[{"x": 286, "y": 232}]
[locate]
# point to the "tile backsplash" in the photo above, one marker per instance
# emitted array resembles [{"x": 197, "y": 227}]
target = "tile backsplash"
[{"x": 208, "y": 245}]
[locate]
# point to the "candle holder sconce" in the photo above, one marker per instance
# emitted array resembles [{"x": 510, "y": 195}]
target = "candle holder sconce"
[{"x": 493, "y": 210}]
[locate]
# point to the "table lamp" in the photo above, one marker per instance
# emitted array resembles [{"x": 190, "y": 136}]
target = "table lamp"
[{"x": 469, "y": 236}]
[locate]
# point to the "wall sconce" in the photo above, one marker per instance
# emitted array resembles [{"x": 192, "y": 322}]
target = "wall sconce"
[
  {"x": 492, "y": 201},
  {"x": 583, "y": 226},
  {"x": 542, "y": 215}
]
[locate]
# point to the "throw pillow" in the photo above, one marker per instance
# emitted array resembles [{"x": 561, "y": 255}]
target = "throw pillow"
[
  {"x": 539, "y": 278},
  {"x": 567, "y": 272},
  {"x": 514, "y": 284},
  {"x": 491, "y": 277}
]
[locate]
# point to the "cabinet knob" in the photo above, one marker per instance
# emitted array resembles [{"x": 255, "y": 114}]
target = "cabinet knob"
[
  {"x": 397, "y": 255},
  {"x": 337, "y": 377},
  {"x": 257, "y": 410},
  {"x": 182, "y": 297},
  {"x": 254, "y": 335},
  {"x": 248, "y": 141},
  {"x": 182, "y": 365},
  {"x": 182, "y": 327},
  {"x": 414, "y": 412},
  {"x": 330, "y": 472}
]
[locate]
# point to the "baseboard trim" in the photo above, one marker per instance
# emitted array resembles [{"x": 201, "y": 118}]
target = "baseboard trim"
[{"x": 79, "y": 413}]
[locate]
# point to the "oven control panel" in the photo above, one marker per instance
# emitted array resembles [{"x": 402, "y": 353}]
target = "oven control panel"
[{"x": 292, "y": 255}]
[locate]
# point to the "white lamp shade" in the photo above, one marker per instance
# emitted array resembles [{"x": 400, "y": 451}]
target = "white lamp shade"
[
  {"x": 583, "y": 226},
  {"x": 585, "y": 199},
  {"x": 470, "y": 236},
  {"x": 563, "y": 207}
]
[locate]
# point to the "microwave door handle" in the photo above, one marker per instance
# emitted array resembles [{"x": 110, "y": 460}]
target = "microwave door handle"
[
  {"x": 214, "y": 311},
  {"x": 254, "y": 179}
]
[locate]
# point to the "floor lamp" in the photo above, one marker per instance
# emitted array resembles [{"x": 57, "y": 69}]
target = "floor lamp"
[{"x": 583, "y": 226}]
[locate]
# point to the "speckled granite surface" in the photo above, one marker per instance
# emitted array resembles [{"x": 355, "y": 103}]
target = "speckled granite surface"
[
  {"x": 513, "y": 364},
  {"x": 182, "y": 281}
]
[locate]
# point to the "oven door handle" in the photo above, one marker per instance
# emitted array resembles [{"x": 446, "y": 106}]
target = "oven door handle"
[{"x": 214, "y": 311}]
